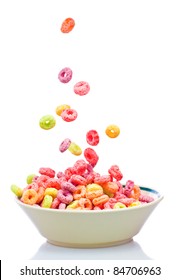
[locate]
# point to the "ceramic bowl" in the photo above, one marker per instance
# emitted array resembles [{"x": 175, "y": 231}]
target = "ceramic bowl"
[{"x": 91, "y": 228}]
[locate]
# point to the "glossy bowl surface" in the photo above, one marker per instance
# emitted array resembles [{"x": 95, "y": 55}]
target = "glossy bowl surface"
[{"x": 91, "y": 228}]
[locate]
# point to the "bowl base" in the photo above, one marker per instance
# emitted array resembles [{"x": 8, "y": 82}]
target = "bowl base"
[{"x": 92, "y": 245}]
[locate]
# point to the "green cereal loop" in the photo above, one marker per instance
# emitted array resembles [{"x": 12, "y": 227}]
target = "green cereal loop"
[
  {"x": 47, "y": 201},
  {"x": 30, "y": 178},
  {"x": 16, "y": 190},
  {"x": 47, "y": 122}
]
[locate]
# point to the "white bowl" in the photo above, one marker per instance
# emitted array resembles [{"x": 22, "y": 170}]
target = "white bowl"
[{"x": 91, "y": 228}]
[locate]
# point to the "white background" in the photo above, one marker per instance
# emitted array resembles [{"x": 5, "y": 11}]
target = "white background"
[{"x": 128, "y": 51}]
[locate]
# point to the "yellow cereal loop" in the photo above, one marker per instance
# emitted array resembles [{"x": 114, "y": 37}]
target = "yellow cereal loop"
[
  {"x": 119, "y": 205},
  {"x": 75, "y": 149},
  {"x": 73, "y": 205},
  {"x": 16, "y": 190},
  {"x": 112, "y": 131},
  {"x": 47, "y": 201},
  {"x": 61, "y": 108},
  {"x": 135, "y": 203},
  {"x": 51, "y": 191}
]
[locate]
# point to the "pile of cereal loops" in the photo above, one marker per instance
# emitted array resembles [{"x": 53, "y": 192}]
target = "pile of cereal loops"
[{"x": 79, "y": 187}]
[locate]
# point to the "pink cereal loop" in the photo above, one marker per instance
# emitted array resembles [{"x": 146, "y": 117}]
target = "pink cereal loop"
[
  {"x": 81, "y": 88},
  {"x": 65, "y": 75},
  {"x": 64, "y": 145},
  {"x": 69, "y": 115}
]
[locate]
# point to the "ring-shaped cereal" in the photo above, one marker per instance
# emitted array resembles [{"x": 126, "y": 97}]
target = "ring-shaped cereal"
[
  {"x": 92, "y": 137},
  {"x": 68, "y": 186},
  {"x": 17, "y": 190},
  {"x": 79, "y": 192},
  {"x": 115, "y": 172},
  {"x": 100, "y": 200},
  {"x": 112, "y": 131},
  {"x": 65, "y": 196},
  {"x": 75, "y": 149},
  {"x": 91, "y": 156},
  {"x": 81, "y": 88},
  {"x": 47, "y": 122},
  {"x": 40, "y": 193},
  {"x": 65, "y": 75},
  {"x": 119, "y": 205},
  {"x": 47, "y": 201},
  {"x": 61, "y": 108},
  {"x": 73, "y": 205},
  {"x": 135, "y": 203},
  {"x": 69, "y": 115},
  {"x": 110, "y": 187},
  {"x": 29, "y": 196},
  {"x": 135, "y": 193},
  {"x": 51, "y": 191},
  {"x": 47, "y": 171},
  {"x": 64, "y": 145},
  {"x": 85, "y": 203},
  {"x": 77, "y": 180},
  {"x": 93, "y": 191},
  {"x": 67, "y": 25}
]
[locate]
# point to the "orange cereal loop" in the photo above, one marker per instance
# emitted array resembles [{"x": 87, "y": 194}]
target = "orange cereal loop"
[
  {"x": 85, "y": 203},
  {"x": 135, "y": 193},
  {"x": 40, "y": 193},
  {"x": 67, "y": 25},
  {"x": 30, "y": 197},
  {"x": 100, "y": 200},
  {"x": 112, "y": 131},
  {"x": 79, "y": 192},
  {"x": 110, "y": 187},
  {"x": 59, "y": 109}
]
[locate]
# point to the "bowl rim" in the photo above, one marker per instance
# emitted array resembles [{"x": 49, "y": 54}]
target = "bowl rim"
[{"x": 158, "y": 198}]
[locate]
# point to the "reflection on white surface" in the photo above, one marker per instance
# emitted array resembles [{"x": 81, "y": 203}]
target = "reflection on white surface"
[{"x": 128, "y": 251}]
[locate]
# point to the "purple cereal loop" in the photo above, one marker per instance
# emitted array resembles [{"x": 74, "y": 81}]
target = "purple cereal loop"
[
  {"x": 68, "y": 186},
  {"x": 64, "y": 145},
  {"x": 65, "y": 196},
  {"x": 65, "y": 75}
]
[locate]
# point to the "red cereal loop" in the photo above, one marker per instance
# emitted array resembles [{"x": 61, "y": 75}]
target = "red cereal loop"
[
  {"x": 91, "y": 156},
  {"x": 47, "y": 171},
  {"x": 80, "y": 167},
  {"x": 69, "y": 115},
  {"x": 77, "y": 180},
  {"x": 115, "y": 172},
  {"x": 69, "y": 172},
  {"x": 52, "y": 183},
  {"x": 67, "y": 25},
  {"x": 102, "y": 179},
  {"x": 92, "y": 137},
  {"x": 81, "y": 88}
]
